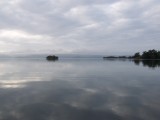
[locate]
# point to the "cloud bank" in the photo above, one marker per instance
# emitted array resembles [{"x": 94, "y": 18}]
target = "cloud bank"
[{"x": 80, "y": 27}]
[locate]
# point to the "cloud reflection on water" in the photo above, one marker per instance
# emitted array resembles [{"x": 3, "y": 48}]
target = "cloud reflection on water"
[{"x": 76, "y": 90}]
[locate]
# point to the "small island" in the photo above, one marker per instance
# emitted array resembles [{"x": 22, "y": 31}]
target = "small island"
[{"x": 52, "y": 58}]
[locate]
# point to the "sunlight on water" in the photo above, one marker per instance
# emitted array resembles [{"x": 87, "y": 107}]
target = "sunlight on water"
[{"x": 17, "y": 83}]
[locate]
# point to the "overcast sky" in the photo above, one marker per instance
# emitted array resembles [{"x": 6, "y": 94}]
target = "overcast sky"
[{"x": 79, "y": 26}]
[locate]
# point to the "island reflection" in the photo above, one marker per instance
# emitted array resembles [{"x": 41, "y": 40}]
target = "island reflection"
[
  {"x": 144, "y": 63},
  {"x": 148, "y": 63}
]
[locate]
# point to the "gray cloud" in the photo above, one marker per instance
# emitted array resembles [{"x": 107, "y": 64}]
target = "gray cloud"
[{"x": 70, "y": 26}]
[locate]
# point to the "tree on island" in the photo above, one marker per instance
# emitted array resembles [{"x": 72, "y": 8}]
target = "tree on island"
[
  {"x": 52, "y": 57},
  {"x": 150, "y": 54},
  {"x": 137, "y": 55}
]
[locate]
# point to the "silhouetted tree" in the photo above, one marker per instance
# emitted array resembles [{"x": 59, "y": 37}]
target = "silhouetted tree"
[
  {"x": 151, "y": 54},
  {"x": 137, "y": 55}
]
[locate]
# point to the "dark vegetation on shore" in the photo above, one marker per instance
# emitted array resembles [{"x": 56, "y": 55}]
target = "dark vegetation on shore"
[
  {"x": 52, "y": 58},
  {"x": 150, "y": 54},
  {"x": 150, "y": 58},
  {"x": 146, "y": 55}
]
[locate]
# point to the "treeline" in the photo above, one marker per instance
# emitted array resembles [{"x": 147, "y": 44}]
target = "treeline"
[{"x": 150, "y": 54}]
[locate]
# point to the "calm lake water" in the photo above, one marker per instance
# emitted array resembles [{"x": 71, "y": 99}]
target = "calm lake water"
[{"x": 79, "y": 89}]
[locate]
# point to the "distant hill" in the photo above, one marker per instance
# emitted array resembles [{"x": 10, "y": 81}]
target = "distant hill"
[{"x": 64, "y": 56}]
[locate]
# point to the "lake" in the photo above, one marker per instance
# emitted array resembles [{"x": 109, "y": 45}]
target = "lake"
[{"x": 79, "y": 89}]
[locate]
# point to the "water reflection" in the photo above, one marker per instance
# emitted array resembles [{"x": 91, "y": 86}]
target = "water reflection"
[
  {"x": 52, "y": 60},
  {"x": 78, "y": 90},
  {"x": 148, "y": 63}
]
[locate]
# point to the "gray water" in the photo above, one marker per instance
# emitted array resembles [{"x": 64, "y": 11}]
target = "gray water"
[{"x": 79, "y": 89}]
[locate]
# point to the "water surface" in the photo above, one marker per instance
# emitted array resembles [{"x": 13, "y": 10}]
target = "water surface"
[{"x": 79, "y": 89}]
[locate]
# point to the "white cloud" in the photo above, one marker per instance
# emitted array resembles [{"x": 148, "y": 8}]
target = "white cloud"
[{"x": 71, "y": 26}]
